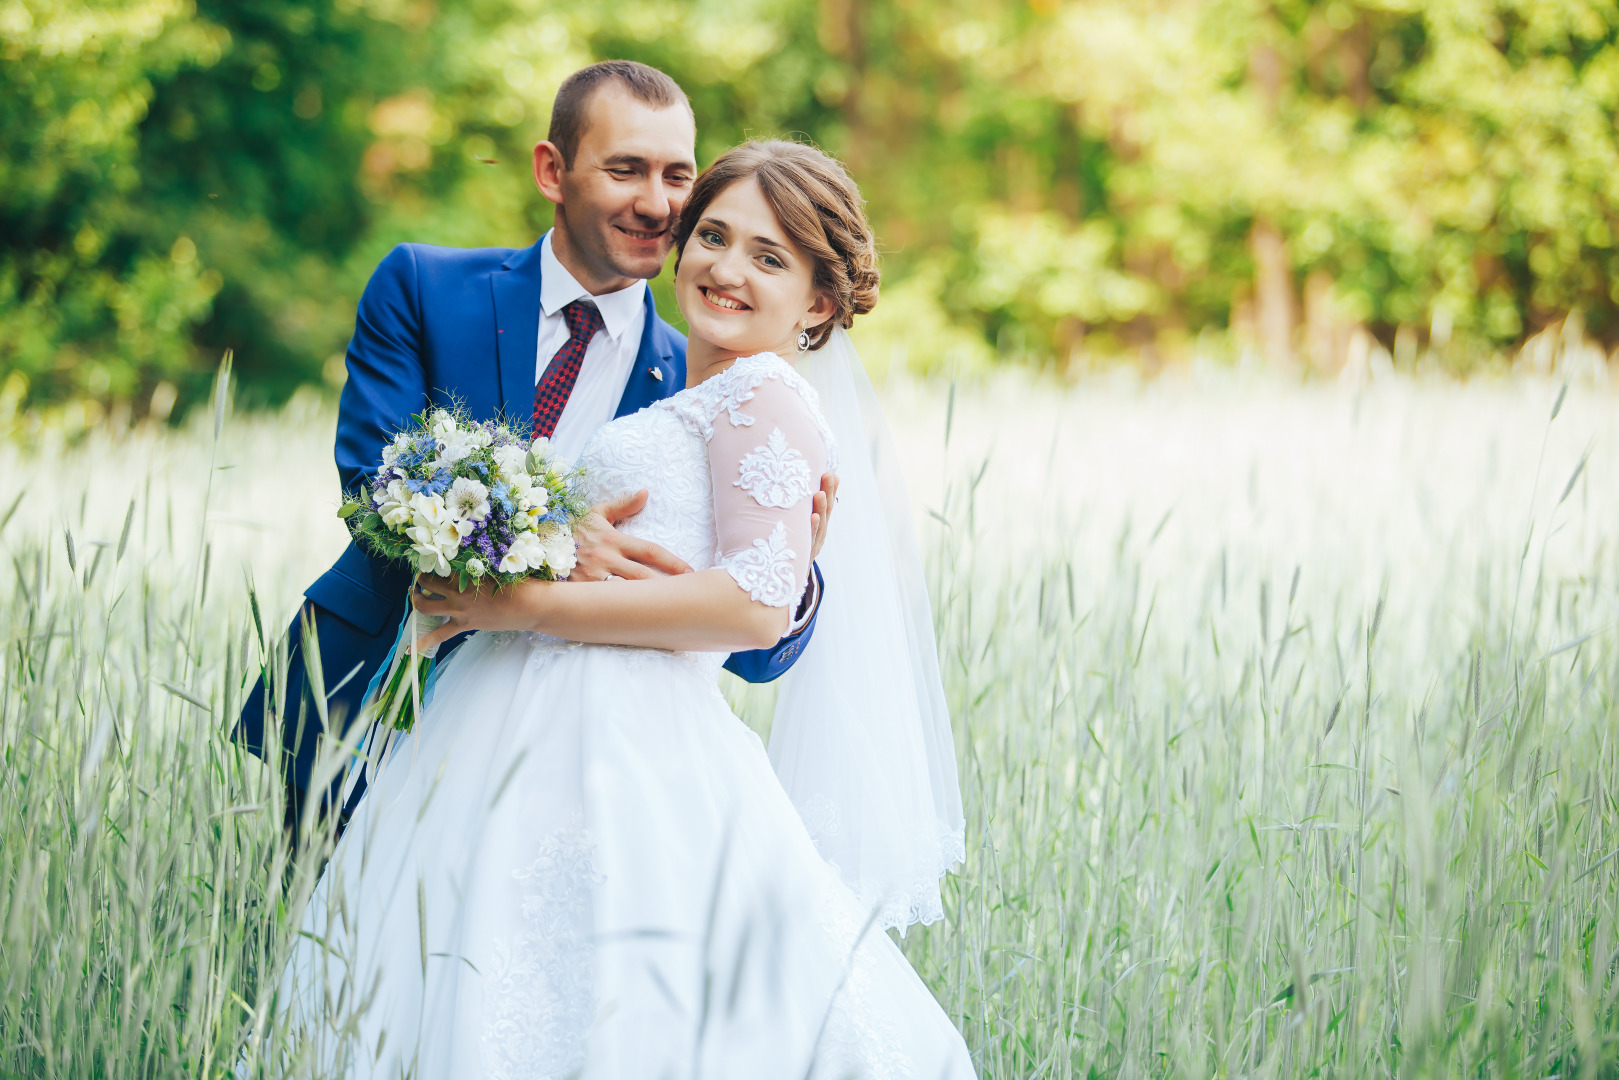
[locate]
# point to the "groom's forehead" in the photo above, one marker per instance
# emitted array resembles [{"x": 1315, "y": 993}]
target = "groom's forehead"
[{"x": 620, "y": 126}]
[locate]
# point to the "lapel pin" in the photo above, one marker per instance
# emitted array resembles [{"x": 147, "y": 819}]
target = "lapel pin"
[{"x": 657, "y": 373}]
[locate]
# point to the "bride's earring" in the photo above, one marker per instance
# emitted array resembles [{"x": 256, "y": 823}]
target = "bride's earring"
[{"x": 803, "y": 341}]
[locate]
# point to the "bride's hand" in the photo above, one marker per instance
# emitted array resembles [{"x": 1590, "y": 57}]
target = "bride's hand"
[{"x": 480, "y": 608}]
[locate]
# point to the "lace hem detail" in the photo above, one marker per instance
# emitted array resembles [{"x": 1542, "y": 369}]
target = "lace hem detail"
[
  {"x": 775, "y": 474},
  {"x": 921, "y": 902},
  {"x": 765, "y": 571},
  {"x": 540, "y": 983}
]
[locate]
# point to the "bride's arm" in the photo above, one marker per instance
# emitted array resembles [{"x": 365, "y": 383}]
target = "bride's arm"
[
  {"x": 705, "y": 612},
  {"x": 765, "y": 456}
]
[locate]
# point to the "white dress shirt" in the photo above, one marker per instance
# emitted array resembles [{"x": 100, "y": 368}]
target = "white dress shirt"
[{"x": 609, "y": 358}]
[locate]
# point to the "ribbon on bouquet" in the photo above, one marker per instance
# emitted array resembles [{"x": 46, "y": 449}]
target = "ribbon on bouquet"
[{"x": 393, "y": 701}]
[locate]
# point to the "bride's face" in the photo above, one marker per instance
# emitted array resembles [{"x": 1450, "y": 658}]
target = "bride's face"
[{"x": 742, "y": 284}]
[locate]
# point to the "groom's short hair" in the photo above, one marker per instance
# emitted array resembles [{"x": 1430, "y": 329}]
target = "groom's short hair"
[{"x": 572, "y": 104}]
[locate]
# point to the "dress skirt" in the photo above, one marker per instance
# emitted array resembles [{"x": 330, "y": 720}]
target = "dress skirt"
[{"x": 581, "y": 864}]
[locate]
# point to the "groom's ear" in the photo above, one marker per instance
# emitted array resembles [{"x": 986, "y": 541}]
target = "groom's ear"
[{"x": 548, "y": 170}]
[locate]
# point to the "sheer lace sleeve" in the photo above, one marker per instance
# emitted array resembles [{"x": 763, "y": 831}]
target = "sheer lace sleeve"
[{"x": 767, "y": 453}]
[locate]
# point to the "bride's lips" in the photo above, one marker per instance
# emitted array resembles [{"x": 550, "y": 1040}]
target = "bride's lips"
[{"x": 712, "y": 298}]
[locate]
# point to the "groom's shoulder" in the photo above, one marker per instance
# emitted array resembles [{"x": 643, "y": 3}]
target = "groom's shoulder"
[{"x": 435, "y": 261}]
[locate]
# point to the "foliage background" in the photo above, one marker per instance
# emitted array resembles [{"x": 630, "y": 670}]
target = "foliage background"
[{"x": 1056, "y": 182}]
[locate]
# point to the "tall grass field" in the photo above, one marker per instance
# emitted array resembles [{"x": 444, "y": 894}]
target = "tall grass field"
[{"x": 1286, "y": 726}]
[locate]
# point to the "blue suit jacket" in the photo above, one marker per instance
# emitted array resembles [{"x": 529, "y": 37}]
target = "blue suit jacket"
[{"x": 437, "y": 325}]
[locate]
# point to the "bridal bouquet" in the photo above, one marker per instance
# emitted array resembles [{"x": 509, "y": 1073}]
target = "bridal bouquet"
[{"x": 469, "y": 501}]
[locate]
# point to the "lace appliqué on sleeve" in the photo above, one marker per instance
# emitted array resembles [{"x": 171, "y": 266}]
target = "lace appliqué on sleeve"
[
  {"x": 766, "y": 571},
  {"x": 775, "y": 474}
]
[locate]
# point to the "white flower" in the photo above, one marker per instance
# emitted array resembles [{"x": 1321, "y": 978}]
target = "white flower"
[
  {"x": 475, "y": 567},
  {"x": 510, "y": 461},
  {"x": 393, "y": 503},
  {"x": 529, "y": 495},
  {"x": 453, "y": 445},
  {"x": 560, "y": 552},
  {"x": 540, "y": 448},
  {"x": 526, "y": 553},
  {"x": 391, "y": 452},
  {"x": 435, "y": 546},
  {"x": 428, "y": 511},
  {"x": 440, "y": 423},
  {"x": 467, "y": 500}
]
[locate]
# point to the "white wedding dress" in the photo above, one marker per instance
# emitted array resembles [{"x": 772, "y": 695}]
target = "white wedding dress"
[{"x": 581, "y": 862}]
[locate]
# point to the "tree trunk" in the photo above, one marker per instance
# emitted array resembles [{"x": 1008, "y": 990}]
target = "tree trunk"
[{"x": 1273, "y": 294}]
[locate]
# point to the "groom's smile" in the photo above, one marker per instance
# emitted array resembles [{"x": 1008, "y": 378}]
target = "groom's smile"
[{"x": 653, "y": 236}]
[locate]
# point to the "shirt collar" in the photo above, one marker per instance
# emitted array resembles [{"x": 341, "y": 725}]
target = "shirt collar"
[{"x": 558, "y": 289}]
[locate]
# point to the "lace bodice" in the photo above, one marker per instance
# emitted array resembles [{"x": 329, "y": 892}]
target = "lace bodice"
[{"x": 730, "y": 466}]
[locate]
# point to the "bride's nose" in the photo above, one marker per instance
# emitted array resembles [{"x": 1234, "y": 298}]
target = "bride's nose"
[{"x": 727, "y": 268}]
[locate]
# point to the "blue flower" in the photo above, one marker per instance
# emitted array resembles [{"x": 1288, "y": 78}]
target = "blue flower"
[{"x": 501, "y": 494}]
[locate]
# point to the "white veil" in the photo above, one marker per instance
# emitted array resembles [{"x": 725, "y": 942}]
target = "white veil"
[{"x": 861, "y": 738}]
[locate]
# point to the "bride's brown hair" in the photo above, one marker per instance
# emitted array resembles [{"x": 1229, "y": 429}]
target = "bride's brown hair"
[{"x": 819, "y": 208}]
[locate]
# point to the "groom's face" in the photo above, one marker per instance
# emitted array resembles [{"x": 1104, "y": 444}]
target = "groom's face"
[{"x": 623, "y": 190}]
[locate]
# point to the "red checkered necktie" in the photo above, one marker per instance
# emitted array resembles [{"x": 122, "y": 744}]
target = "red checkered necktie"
[{"x": 551, "y": 395}]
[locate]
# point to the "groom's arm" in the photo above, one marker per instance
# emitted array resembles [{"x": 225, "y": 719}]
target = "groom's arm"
[
  {"x": 387, "y": 374},
  {"x": 767, "y": 665}
]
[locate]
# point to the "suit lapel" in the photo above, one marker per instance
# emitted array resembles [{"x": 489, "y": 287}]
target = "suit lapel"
[
  {"x": 655, "y": 375},
  {"x": 516, "y": 288}
]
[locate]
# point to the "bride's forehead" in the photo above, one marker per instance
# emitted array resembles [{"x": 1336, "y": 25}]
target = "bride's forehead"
[{"x": 743, "y": 206}]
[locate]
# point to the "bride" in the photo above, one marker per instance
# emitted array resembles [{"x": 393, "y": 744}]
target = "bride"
[{"x": 581, "y": 863}]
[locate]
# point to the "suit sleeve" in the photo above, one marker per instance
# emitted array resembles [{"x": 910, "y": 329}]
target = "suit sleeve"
[
  {"x": 767, "y": 665},
  {"x": 387, "y": 374}
]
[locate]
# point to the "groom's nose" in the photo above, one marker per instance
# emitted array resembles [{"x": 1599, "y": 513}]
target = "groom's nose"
[{"x": 652, "y": 201}]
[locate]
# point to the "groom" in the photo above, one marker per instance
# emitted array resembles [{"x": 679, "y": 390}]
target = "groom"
[{"x": 560, "y": 338}]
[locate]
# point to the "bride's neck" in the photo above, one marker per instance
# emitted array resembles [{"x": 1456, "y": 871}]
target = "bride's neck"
[{"x": 704, "y": 359}]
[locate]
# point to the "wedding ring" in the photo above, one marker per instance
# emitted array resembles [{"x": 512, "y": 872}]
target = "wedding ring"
[
  {"x": 609, "y": 577},
  {"x": 426, "y": 595}
]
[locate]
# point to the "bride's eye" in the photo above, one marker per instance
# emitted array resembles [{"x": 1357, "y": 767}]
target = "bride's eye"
[
  {"x": 772, "y": 262},
  {"x": 709, "y": 236}
]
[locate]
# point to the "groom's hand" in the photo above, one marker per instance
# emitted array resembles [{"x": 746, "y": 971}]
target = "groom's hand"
[
  {"x": 821, "y": 512},
  {"x": 605, "y": 552}
]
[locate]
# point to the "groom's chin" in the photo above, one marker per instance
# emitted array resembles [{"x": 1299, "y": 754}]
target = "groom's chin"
[{"x": 637, "y": 259}]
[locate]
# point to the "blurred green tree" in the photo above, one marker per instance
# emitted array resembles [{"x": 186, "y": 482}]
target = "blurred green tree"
[{"x": 1050, "y": 179}]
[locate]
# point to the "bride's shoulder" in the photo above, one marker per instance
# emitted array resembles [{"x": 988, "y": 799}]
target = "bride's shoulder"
[
  {"x": 732, "y": 389},
  {"x": 753, "y": 386}
]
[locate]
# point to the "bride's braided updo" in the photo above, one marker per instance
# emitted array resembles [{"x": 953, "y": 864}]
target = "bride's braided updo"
[{"x": 819, "y": 208}]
